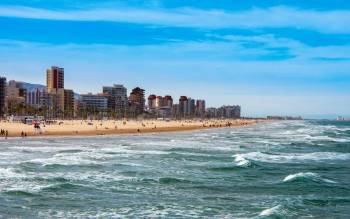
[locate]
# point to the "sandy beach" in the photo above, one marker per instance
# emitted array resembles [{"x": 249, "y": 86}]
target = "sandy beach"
[{"x": 111, "y": 127}]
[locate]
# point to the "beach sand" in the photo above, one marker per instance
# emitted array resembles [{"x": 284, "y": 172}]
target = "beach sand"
[{"x": 110, "y": 127}]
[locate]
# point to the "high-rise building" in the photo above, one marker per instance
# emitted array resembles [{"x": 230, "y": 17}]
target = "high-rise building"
[
  {"x": 137, "y": 101},
  {"x": 2, "y": 95},
  {"x": 118, "y": 98},
  {"x": 152, "y": 101},
  {"x": 54, "y": 79},
  {"x": 183, "y": 105},
  {"x": 69, "y": 103},
  {"x": 200, "y": 108},
  {"x": 168, "y": 101},
  {"x": 191, "y": 107},
  {"x": 159, "y": 102},
  {"x": 55, "y": 85}
]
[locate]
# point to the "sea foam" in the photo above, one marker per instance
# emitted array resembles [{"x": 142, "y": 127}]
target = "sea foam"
[
  {"x": 271, "y": 211},
  {"x": 308, "y": 176},
  {"x": 294, "y": 157},
  {"x": 241, "y": 161}
]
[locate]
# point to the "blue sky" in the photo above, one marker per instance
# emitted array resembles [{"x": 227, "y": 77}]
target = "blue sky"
[{"x": 271, "y": 57}]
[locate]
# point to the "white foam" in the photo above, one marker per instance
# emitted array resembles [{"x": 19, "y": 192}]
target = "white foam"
[
  {"x": 241, "y": 161},
  {"x": 6, "y": 173},
  {"x": 295, "y": 158},
  {"x": 270, "y": 211},
  {"x": 306, "y": 175}
]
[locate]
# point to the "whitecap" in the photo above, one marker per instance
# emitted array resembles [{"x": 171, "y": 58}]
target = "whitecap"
[
  {"x": 271, "y": 211},
  {"x": 241, "y": 161},
  {"x": 294, "y": 157},
  {"x": 306, "y": 175},
  {"x": 6, "y": 173}
]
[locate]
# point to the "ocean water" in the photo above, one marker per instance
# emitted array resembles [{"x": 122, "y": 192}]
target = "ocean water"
[{"x": 298, "y": 169}]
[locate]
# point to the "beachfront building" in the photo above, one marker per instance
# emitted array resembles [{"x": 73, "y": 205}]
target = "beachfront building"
[
  {"x": 157, "y": 102},
  {"x": 117, "y": 98},
  {"x": 183, "y": 106},
  {"x": 68, "y": 103},
  {"x": 35, "y": 97},
  {"x": 168, "y": 101},
  {"x": 3, "y": 85},
  {"x": 15, "y": 97},
  {"x": 200, "y": 108},
  {"x": 229, "y": 111},
  {"x": 152, "y": 101},
  {"x": 160, "y": 107},
  {"x": 191, "y": 107},
  {"x": 211, "y": 112},
  {"x": 95, "y": 103},
  {"x": 55, "y": 86},
  {"x": 137, "y": 101}
]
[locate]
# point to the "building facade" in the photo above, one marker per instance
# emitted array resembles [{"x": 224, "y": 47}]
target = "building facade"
[
  {"x": 55, "y": 85},
  {"x": 3, "y": 85},
  {"x": 152, "y": 101},
  {"x": 69, "y": 103},
  {"x": 34, "y": 97},
  {"x": 118, "y": 98},
  {"x": 183, "y": 102},
  {"x": 137, "y": 101},
  {"x": 200, "y": 108},
  {"x": 95, "y": 102}
]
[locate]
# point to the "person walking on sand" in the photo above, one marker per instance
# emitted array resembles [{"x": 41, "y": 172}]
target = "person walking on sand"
[{"x": 6, "y": 134}]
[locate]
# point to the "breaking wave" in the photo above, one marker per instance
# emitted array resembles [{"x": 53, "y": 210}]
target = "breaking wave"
[{"x": 306, "y": 176}]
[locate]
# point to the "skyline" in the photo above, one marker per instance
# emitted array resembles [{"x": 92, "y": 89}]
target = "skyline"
[{"x": 215, "y": 52}]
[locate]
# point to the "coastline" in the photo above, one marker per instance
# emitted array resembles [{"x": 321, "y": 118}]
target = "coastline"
[{"x": 78, "y": 128}]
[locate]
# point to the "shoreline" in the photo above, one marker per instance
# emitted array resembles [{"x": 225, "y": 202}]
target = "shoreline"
[{"x": 81, "y": 128}]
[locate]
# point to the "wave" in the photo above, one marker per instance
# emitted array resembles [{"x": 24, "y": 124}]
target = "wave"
[
  {"x": 306, "y": 176},
  {"x": 277, "y": 211},
  {"x": 6, "y": 173},
  {"x": 241, "y": 161},
  {"x": 63, "y": 186},
  {"x": 20, "y": 193},
  {"x": 293, "y": 157}
]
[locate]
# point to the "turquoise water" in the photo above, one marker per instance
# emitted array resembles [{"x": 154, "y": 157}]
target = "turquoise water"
[{"x": 269, "y": 170}]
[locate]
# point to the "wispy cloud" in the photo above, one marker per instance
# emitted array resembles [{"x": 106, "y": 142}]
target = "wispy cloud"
[{"x": 336, "y": 21}]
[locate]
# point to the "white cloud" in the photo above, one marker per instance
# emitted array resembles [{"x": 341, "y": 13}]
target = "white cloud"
[{"x": 275, "y": 17}]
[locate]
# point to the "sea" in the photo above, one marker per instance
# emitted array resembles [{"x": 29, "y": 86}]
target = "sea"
[{"x": 286, "y": 169}]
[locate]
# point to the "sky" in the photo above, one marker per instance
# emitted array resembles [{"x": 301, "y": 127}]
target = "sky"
[{"x": 271, "y": 57}]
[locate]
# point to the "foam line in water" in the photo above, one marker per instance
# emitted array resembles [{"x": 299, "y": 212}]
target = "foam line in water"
[
  {"x": 295, "y": 158},
  {"x": 241, "y": 161},
  {"x": 307, "y": 175},
  {"x": 271, "y": 211}
]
